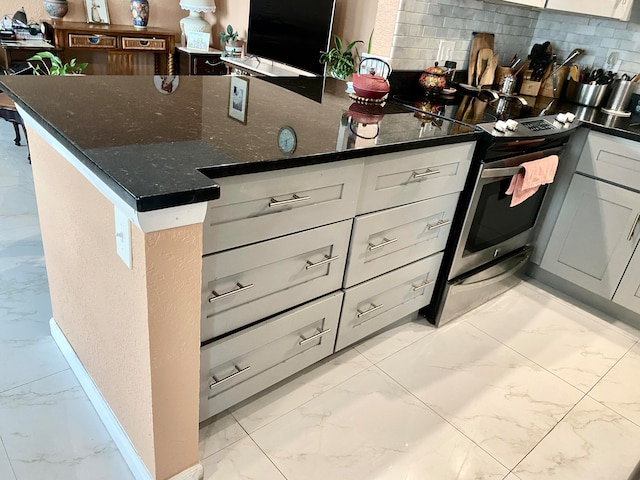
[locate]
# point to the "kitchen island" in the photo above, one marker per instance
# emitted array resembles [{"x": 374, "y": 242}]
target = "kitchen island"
[{"x": 125, "y": 175}]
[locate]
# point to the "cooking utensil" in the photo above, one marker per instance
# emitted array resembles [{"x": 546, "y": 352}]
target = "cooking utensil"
[
  {"x": 574, "y": 73},
  {"x": 480, "y": 40},
  {"x": 520, "y": 69},
  {"x": 540, "y": 58},
  {"x": 575, "y": 53}
]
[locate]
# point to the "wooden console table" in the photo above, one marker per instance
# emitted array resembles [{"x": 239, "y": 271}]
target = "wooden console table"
[{"x": 121, "y": 43}]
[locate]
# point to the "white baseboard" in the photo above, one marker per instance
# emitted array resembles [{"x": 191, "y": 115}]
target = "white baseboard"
[
  {"x": 111, "y": 423},
  {"x": 135, "y": 463},
  {"x": 194, "y": 473}
]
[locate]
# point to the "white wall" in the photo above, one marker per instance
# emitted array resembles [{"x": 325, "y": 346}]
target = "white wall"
[{"x": 422, "y": 24}]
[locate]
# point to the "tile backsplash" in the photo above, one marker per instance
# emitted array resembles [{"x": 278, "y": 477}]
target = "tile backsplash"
[{"x": 422, "y": 24}]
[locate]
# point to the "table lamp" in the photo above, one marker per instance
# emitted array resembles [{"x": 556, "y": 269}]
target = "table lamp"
[{"x": 194, "y": 22}]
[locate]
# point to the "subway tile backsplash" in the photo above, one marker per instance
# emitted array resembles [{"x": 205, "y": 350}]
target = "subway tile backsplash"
[{"x": 421, "y": 24}]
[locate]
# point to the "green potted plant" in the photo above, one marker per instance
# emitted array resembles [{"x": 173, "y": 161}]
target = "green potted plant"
[
  {"x": 58, "y": 67},
  {"x": 341, "y": 62},
  {"x": 229, "y": 38}
]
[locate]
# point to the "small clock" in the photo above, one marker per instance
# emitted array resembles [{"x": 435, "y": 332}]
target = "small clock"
[{"x": 287, "y": 141}]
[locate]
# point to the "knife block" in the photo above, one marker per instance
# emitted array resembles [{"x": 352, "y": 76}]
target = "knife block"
[
  {"x": 529, "y": 87},
  {"x": 546, "y": 88}
]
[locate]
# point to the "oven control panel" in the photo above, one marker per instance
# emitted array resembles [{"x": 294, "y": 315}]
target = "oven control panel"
[
  {"x": 528, "y": 127},
  {"x": 538, "y": 125}
]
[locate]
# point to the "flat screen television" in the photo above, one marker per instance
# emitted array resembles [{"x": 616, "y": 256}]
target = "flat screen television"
[{"x": 293, "y": 32}]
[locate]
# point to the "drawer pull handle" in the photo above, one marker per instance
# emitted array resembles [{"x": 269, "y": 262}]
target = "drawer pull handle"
[
  {"x": 144, "y": 43},
  {"x": 94, "y": 40},
  {"x": 633, "y": 227},
  {"x": 238, "y": 371},
  {"x": 427, "y": 173},
  {"x": 304, "y": 341},
  {"x": 327, "y": 259},
  {"x": 424, "y": 284},
  {"x": 240, "y": 288},
  {"x": 371, "y": 310},
  {"x": 438, "y": 224},
  {"x": 384, "y": 243},
  {"x": 279, "y": 203}
]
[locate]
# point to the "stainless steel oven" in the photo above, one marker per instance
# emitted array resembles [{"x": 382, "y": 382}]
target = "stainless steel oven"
[
  {"x": 492, "y": 227},
  {"x": 492, "y": 241}
]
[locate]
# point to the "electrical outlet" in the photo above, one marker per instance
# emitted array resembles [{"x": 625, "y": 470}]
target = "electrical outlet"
[
  {"x": 123, "y": 236},
  {"x": 445, "y": 51},
  {"x": 613, "y": 62}
]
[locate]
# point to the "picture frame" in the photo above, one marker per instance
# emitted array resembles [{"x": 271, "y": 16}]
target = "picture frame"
[
  {"x": 238, "y": 98},
  {"x": 198, "y": 41},
  {"x": 96, "y": 11}
]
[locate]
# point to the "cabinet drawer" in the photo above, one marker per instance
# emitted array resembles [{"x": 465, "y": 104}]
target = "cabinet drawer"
[
  {"x": 256, "y": 207},
  {"x": 236, "y": 367},
  {"x": 398, "y": 178},
  {"x": 131, "y": 43},
  {"x": 385, "y": 240},
  {"x": 207, "y": 65},
  {"x": 611, "y": 158},
  {"x": 373, "y": 305},
  {"x": 92, "y": 41},
  {"x": 247, "y": 284}
]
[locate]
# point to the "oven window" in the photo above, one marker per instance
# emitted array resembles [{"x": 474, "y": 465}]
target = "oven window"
[{"x": 495, "y": 221}]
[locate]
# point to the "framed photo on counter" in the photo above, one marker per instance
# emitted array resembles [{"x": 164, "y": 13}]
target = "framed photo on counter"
[
  {"x": 198, "y": 41},
  {"x": 238, "y": 98},
  {"x": 96, "y": 11}
]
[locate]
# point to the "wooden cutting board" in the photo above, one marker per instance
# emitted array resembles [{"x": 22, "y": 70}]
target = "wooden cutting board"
[
  {"x": 489, "y": 73},
  {"x": 480, "y": 40},
  {"x": 482, "y": 62}
]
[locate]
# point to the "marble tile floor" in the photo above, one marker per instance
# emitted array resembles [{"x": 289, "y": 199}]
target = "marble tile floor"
[{"x": 526, "y": 387}]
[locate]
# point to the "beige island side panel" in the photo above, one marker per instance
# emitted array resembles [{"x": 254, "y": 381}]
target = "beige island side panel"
[{"x": 136, "y": 331}]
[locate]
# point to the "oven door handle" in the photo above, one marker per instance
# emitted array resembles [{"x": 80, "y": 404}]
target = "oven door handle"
[
  {"x": 500, "y": 172},
  {"x": 497, "y": 172},
  {"x": 468, "y": 283}
]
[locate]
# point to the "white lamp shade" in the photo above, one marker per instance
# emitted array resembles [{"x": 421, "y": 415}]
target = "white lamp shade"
[
  {"x": 198, "y": 5},
  {"x": 194, "y": 21}
]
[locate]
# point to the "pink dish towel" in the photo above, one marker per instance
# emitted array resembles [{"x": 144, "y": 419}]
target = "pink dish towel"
[{"x": 530, "y": 177}]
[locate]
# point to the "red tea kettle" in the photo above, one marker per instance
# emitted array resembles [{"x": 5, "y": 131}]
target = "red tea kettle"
[{"x": 370, "y": 84}]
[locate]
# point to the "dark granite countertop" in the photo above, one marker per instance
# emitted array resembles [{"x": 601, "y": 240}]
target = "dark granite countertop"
[{"x": 158, "y": 150}]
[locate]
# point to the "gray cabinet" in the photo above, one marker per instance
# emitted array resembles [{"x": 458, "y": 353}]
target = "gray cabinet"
[
  {"x": 619, "y": 9},
  {"x": 595, "y": 235},
  {"x": 628, "y": 293},
  {"x": 276, "y": 246}
]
